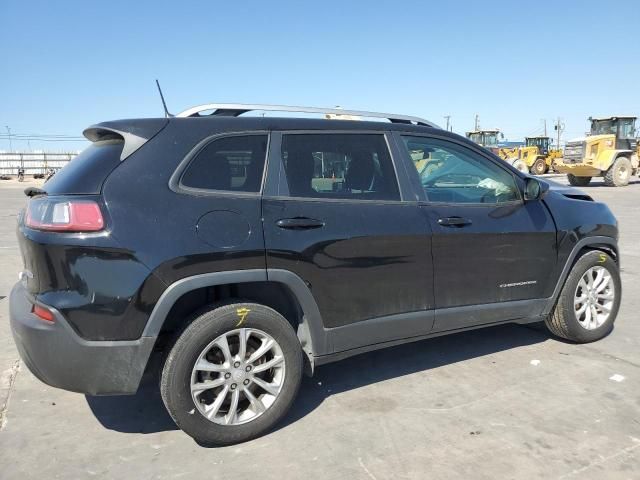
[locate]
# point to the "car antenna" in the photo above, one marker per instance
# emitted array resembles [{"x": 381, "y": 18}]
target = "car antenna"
[{"x": 164, "y": 104}]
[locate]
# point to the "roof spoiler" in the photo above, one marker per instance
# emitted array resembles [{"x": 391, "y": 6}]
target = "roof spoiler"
[{"x": 134, "y": 133}]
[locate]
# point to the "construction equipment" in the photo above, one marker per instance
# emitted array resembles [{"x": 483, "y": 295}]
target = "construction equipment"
[
  {"x": 485, "y": 138},
  {"x": 489, "y": 140},
  {"x": 609, "y": 150},
  {"x": 536, "y": 155}
]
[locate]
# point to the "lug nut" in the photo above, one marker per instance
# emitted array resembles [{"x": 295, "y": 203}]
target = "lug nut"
[
  {"x": 227, "y": 375},
  {"x": 246, "y": 381},
  {"x": 233, "y": 386},
  {"x": 248, "y": 369},
  {"x": 236, "y": 364}
]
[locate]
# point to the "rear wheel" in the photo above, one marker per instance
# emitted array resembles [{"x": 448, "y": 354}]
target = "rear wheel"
[
  {"x": 539, "y": 167},
  {"x": 578, "y": 181},
  {"x": 619, "y": 173},
  {"x": 589, "y": 301},
  {"x": 232, "y": 374}
]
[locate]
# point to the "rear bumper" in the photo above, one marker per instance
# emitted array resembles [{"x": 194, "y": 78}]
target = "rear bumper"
[{"x": 59, "y": 357}]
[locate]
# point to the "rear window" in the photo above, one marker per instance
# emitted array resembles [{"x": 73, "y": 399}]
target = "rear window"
[
  {"x": 86, "y": 172},
  {"x": 231, "y": 163}
]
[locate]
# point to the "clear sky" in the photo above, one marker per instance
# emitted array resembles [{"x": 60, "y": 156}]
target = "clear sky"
[{"x": 68, "y": 64}]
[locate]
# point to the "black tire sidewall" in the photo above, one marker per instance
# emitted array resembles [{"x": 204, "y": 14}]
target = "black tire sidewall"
[
  {"x": 575, "y": 330},
  {"x": 176, "y": 374}
]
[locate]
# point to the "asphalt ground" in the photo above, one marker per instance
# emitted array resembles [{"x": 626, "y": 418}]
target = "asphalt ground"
[{"x": 502, "y": 402}]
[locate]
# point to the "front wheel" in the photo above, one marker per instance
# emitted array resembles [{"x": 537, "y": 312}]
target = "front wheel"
[
  {"x": 232, "y": 374},
  {"x": 589, "y": 301},
  {"x": 619, "y": 173},
  {"x": 578, "y": 181},
  {"x": 539, "y": 167}
]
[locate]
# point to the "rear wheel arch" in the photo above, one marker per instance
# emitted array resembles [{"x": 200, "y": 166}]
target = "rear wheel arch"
[{"x": 280, "y": 290}]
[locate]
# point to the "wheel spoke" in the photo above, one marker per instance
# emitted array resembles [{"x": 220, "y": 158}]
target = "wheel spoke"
[
  {"x": 223, "y": 344},
  {"x": 233, "y": 407},
  {"x": 581, "y": 310},
  {"x": 605, "y": 296},
  {"x": 268, "y": 365},
  {"x": 579, "y": 300},
  {"x": 206, "y": 366},
  {"x": 200, "y": 387},
  {"x": 242, "y": 345},
  {"x": 257, "y": 405},
  {"x": 264, "y": 348},
  {"x": 603, "y": 284},
  {"x": 212, "y": 409},
  {"x": 589, "y": 279},
  {"x": 594, "y": 316},
  {"x": 270, "y": 388},
  {"x": 605, "y": 308},
  {"x": 599, "y": 278}
]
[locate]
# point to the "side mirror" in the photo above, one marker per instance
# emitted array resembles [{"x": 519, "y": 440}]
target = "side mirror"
[{"x": 534, "y": 189}]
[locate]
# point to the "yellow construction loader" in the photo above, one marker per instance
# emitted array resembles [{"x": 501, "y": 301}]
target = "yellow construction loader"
[
  {"x": 610, "y": 150},
  {"x": 489, "y": 140},
  {"x": 536, "y": 155}
]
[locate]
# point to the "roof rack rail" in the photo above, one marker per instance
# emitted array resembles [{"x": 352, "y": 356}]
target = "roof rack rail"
[{"x": 237, "y": 109}]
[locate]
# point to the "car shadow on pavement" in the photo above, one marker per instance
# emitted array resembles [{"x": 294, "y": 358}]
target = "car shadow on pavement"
[{"x": 144, "y": 412}]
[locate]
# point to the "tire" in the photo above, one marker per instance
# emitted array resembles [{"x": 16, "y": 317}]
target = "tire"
[
  {"x": 578, "y": 181},
  {"x": 539, "y": 167},
  {"x": 520, "y": 165},
  {"x": 619, "y": 173},
  {"x": 566, "y": 321},
  {"x": 179, "y": 375}
]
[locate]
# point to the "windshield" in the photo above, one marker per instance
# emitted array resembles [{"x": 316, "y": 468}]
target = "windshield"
[
  {"x": 627, "y": 128},
  {"x": 603, "y": 127},
  {"x": 490, "y": 139},
  {"x": 541, "y": 142},
  {"x": 475, "y": 137}
]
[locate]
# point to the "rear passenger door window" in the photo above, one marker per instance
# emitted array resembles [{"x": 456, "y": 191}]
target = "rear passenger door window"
[
  {"x": 339, "y": 166},
  {"x": 234, "y": 163}
]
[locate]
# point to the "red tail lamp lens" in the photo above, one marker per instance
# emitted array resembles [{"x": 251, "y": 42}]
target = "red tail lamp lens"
[
  {"x": 44, "y": 313},
  {"x": 64, "y": 216}
]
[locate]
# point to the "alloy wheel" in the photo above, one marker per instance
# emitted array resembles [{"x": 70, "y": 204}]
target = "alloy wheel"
[
  {"x": 594, "y": 297},
  {"x": 238, "y": 376}
]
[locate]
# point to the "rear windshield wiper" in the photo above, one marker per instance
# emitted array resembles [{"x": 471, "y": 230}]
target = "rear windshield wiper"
[{"x": 34, "y": 192}]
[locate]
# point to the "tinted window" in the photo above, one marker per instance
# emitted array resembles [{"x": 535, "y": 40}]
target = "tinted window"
[
  {"x": 229, "y": 163},
  {"x": 86, "y": 172},
  {"x": 451, "y": 173},
  {"x": 354, "y": 166}
]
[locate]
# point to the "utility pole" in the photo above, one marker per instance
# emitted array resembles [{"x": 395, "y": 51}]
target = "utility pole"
[
  {"x": 447, "y": 117},
  {"x": 545, "y": 127},
  {"x": 477, "y": 123},
  {"x": 559, "y": 128},
  {"x": 10, "y": 143}
]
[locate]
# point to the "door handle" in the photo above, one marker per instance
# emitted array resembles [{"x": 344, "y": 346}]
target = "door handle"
[
  {"x": 299, "y": 223},
  {"x": 454, "y": 222}
]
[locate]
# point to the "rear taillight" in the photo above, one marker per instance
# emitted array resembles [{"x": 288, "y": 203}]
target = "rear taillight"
[{"x": 64, "y": 215}]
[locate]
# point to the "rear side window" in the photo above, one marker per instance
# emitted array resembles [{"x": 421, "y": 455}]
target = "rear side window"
[
  {"x": 86, "y": 172},
  {"x": 233, "y": 164},
  {"x": 343, "y": 166}
]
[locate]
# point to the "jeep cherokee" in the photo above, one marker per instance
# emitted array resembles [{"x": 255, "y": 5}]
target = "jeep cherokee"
[{"x": 251, "y": 249}]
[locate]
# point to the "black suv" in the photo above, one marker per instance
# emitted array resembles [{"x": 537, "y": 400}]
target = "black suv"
[{"x": 250, "y": 249}]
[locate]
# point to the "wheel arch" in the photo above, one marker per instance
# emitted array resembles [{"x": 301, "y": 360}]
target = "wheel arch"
[
  {"x": 584, "y": 245},
  {"x": 281, "y": 290}
]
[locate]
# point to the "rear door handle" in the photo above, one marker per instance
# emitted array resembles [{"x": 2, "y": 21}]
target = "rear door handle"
[
  {"x": 299, "y": 223},
  {"x": 454, "y": 222}
]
